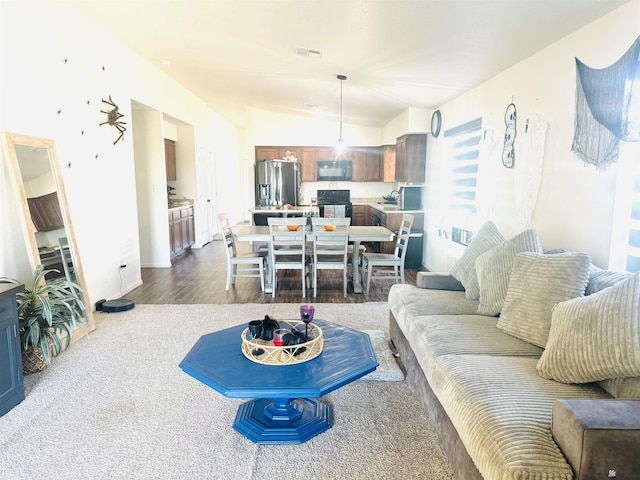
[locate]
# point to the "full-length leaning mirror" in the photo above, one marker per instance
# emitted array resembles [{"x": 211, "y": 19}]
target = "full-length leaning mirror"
[{"x": 47, "y": 225}]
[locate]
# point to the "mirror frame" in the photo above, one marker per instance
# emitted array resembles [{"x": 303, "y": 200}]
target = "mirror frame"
[{"x": 28, "y": 227}]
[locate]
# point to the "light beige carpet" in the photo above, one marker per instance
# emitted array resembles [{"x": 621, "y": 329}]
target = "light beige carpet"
[{"x": 117, "y": 406}]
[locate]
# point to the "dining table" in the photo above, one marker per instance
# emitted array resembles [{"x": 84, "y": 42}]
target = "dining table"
[{"x": 357, "y": 235}]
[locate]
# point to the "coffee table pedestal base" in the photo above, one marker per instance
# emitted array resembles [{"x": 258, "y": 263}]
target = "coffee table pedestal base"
[{"x": 282, "y": 421}]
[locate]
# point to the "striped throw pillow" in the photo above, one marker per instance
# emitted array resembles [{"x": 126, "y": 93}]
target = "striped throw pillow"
[
  {"x": 596, "y": 337},
  {"x": 537, "y": 284},
  {"x": 464, "y": 269},
  {"x": 494, "y": 270}
]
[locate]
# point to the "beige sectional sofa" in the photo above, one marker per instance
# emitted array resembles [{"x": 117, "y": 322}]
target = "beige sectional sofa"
[{"x": 491, "y": 383}]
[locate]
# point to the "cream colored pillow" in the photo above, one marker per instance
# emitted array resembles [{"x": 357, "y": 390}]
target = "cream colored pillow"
[
  {"x": 464, "y": 269},
  {"x": 596, "y": 337},
  {"x": 537, "y": 284},
  {"x": 494, "y": 270}
]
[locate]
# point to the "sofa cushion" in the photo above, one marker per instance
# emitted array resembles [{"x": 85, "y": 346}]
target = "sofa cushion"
[
  {"x": 410, "y": 300},
  {"x": 494, "y": 270},
  {"x": 596, "y": 337},
  {"x": 501, "y": 409},
  {"x": 537, "y": 283},
  {"x": 470, "y": 335},
  {"x": 464, "y": 269}
]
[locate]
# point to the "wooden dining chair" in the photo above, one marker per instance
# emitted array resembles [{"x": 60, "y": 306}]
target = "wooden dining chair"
[
  {"x": 287, "y": 248},
  {"x": 330, "y": 248},
  {"x": 394, "y": 260},
  {"x": 240, "y": 264}
]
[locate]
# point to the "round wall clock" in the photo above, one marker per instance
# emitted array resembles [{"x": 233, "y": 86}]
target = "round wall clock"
[{"x": 436, "y": 123}]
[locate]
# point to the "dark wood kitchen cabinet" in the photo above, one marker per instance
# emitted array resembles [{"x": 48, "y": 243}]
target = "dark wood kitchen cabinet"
[
  {"x": 357, "y": 157},
  {"x": 365, "y": 162},
  {"x": 389, "y": 163},
  {"x": 45, "y": 212},
  {"x": 372, "y": 162},
  {"x": 11, "y": 380},
  {"x": 359, "y": 215},
  {"x": 411, "y": 158},
  {"x": 181, "y": 229},
  {"x": 307, "y": 161},
  {"x": 266, "y": 153}
]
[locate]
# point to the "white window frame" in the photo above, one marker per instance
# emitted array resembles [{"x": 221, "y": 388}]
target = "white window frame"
[
  {"x": 462, "y": 148},
  {"x": 622, "y": 224}
]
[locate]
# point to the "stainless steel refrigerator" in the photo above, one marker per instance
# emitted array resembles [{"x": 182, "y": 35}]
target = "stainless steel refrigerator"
[{"x": 277, "y": 183}]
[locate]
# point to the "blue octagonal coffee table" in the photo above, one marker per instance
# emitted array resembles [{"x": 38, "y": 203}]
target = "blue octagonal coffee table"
[{"x": 284, "y": 409}]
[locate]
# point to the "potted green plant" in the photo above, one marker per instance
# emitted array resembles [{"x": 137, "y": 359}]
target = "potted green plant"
[{"x": 47, "y": 313}]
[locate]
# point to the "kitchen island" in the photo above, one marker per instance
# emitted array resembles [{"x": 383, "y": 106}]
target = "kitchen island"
[{"x": 259, "y": 214}]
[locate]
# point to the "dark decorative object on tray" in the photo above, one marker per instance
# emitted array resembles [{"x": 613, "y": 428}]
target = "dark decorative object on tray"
[
  {"x": 263, "y": 329},
  {"x": 306, "y": 313}
]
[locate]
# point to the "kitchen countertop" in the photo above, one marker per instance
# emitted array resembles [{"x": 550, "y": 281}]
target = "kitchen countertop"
[
  {"x": 388, "y": 208},
  {"x": 179, "y": 203},
  {"x": 299, "y": 209}
]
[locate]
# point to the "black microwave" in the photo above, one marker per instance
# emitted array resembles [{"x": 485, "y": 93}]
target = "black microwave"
[{"x": 334, "y": 171}]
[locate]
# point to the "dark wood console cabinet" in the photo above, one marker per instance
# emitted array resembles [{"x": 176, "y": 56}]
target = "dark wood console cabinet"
[
  {"x": 181, "y": 229},
  {"x": 11, "y": 380}
]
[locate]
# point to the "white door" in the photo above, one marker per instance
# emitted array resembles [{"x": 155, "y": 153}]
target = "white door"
[{"x": 207, "y": 195}]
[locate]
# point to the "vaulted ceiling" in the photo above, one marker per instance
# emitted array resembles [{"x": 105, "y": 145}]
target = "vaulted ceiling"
[{"x": 396, "y": 54}]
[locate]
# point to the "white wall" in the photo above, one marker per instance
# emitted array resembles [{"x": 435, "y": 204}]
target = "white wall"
[
  {"x": 55, "y": 60},
  {"x": 575, "y": 205}
]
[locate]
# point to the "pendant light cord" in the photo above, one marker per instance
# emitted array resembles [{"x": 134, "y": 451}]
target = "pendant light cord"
[{"x": 341, "y": 78}]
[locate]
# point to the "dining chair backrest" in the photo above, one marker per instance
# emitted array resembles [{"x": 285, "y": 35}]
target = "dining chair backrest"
[
  {"x": 393, "y": 260},
  {"x": 239, "y": 265},
  {"x": 231, "y": 249},
  {"x": 285, "y": 241},
  {"x": 330, "y": 243},
  {"x": 330, "y": 247},
  {"x": 402, "y": 239},
  {"x": 287, "y": 247}
]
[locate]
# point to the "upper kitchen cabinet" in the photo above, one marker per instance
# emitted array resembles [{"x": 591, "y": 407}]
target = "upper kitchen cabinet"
[
  {"x": 411, "y": 158},
  {"x": 389, "y": 163},
  {"x": 266, "y": 153},
  {"x": 372, "y": 163},
  {"x": 291, "y": 152},
  {"x": 307, "y": 160},
  {"x": 356, "y": 155},
  {"x": 365, "y": 162},
  {"x": 277, "y": 153},
  {"x": 170, "y": 159}
]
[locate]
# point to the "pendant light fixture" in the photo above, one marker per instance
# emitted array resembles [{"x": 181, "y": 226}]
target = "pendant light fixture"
[{"x": 340, "y": 146}]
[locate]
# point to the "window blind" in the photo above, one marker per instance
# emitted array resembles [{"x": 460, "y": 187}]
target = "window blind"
[
  {"x": 462, "y": 145},
  {"x": 633, "y": 247}
]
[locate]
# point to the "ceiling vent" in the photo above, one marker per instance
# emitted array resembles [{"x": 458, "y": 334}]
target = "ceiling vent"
[{"x": 308, "y": 52}]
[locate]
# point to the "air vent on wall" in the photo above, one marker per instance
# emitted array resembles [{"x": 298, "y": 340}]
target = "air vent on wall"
[{"x": 308, "y": 52}]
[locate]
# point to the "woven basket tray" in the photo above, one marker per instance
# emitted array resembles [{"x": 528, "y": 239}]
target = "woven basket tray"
[{"x": 288, "y": 355}]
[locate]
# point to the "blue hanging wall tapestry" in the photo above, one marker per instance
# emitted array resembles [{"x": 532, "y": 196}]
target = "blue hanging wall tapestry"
[{"x": 607, "y": 108}]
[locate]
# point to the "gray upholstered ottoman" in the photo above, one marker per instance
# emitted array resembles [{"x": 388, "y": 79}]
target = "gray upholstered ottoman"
[{"x": 599, "y": 438}]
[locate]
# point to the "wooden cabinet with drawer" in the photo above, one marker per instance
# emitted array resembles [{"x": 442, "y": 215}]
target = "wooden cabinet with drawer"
[
  {"x": 181, "y": 229},
  {"x": 11, "y": 380}
]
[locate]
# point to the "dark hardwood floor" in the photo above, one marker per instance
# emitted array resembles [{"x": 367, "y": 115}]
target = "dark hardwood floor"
[{"x": 199, "y": 276}]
